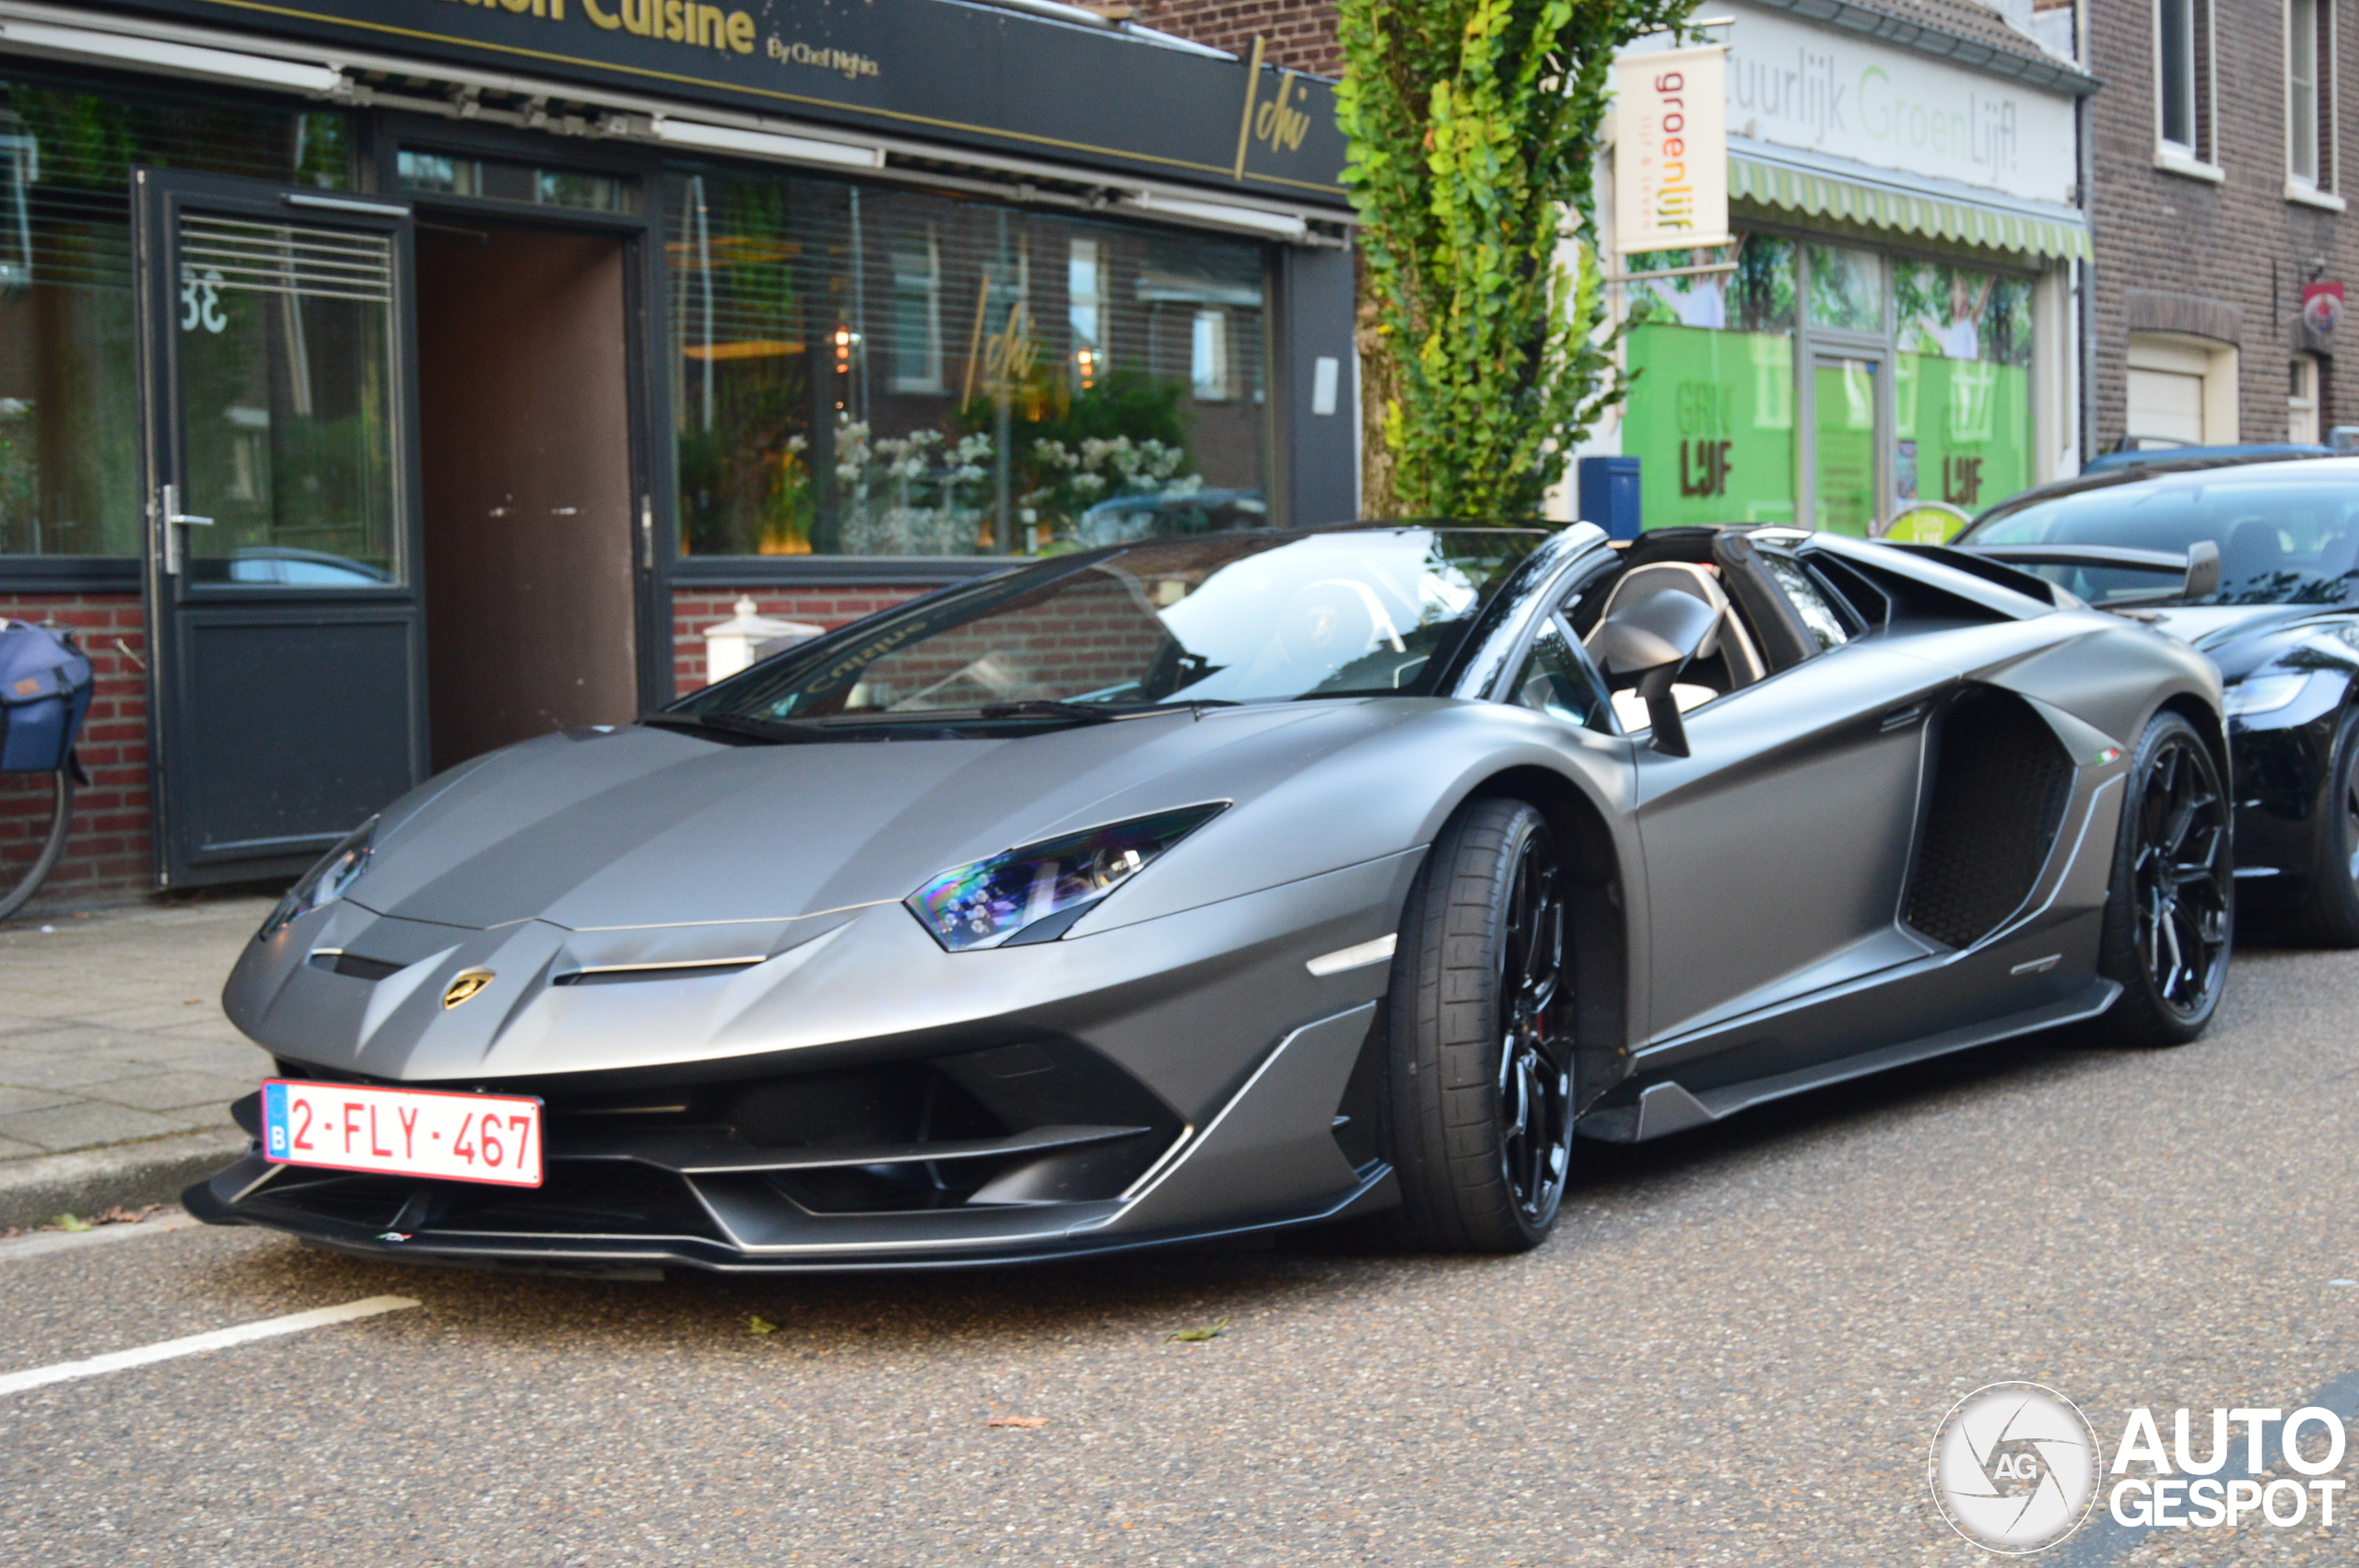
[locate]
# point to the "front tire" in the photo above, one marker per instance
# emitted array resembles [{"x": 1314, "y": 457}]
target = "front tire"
[
  {"x": 2327, "y": 915},
  {"x": 2171, "y": 910},
  {"x": 1481, "y": 1068}
]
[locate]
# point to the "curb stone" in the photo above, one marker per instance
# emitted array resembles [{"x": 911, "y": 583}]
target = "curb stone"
[{"x": 87, "y": 1180}]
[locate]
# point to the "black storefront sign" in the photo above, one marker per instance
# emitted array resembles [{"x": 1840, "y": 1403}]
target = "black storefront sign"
[{"x": 937, "y": 70}]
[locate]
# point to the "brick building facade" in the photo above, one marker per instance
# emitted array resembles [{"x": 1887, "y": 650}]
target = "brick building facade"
[{"x": 2215, "y": 197}]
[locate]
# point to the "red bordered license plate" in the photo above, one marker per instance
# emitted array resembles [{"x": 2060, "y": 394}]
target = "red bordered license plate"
[{"x": 441, "y": 1133}]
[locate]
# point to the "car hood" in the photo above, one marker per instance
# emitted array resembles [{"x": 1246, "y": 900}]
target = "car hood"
[
  {"x": 2214, "y": 626},
  {"x": 650, "y": 827}
]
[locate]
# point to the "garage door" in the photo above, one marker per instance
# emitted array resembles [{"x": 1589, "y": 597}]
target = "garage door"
[{"x": 2165, "y": 402}]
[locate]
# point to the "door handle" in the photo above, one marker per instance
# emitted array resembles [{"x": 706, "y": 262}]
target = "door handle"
[
  {"x": 169, "y": 513},
  {"x": 1901, "y": 718}
]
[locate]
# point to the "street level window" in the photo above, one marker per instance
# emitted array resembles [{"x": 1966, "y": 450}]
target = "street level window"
[
  {"x": 1961, "y": 414},
  {"x": 1085, "y": 304},
  {"x": 433, "y": 173},
  {"x": 2309, "y": 93},
  {"x": 885, "y": 373},
  {"x": 917, "y": 312},
  {"x": 1710, "y": 414},
  {"x": 2183, "y": 78},
  {"x": 69, "y": 391},
  {"x": 1846, "y": 289}
]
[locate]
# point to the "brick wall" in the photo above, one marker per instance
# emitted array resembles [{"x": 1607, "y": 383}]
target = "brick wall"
[
  {"x": 1063, "y": 654},
  {"x": 108, "y": 857},
  {"x": 1300, "y": 36},
  {"x": 693, "y": 609},
  {"x": 2226, "y": 259}
]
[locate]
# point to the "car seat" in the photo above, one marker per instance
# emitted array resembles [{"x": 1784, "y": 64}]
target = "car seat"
[{"x": 1727, "y": 641}]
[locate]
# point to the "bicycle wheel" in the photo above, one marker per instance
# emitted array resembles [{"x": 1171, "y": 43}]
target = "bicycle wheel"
[{"x": 36, "y": 812}]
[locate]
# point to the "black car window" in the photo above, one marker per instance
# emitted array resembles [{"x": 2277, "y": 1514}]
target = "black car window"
[
  {"x": 2286, "y": 533},
  {"x": 1559, "y": 681}
]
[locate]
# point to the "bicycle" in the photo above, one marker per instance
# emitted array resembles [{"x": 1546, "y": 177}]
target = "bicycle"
[{"x": 45, "y": 688}]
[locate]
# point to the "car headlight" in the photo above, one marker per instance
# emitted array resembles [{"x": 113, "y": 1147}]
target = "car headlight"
[
  {"x": 325, "y": 881},
  {"x": 2264, "y": 694},
  {"x": 990, "y": 902}
]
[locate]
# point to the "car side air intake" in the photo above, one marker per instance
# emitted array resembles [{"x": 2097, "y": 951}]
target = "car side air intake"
[{"x": 2000, "y": 781}]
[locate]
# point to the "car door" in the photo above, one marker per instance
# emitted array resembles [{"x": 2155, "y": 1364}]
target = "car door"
[{"x": 1777, "y": 848}]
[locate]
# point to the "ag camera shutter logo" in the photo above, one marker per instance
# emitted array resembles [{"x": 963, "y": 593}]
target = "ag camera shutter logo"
[{"x": 2014, "y": 1467}]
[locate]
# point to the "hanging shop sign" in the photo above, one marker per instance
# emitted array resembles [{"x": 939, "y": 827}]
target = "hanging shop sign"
[
  {"x": 1670, "y": 141},
  {"x": 930, "y": 69},
  {"x": 2321, "y": 314}
]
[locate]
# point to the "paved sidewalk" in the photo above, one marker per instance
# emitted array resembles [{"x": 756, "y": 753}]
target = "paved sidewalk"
[{"x": 116, "y": 1065}]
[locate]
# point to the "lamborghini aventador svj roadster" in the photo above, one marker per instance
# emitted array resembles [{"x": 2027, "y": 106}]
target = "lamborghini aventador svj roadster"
[{"x": 1253, "y": 879}]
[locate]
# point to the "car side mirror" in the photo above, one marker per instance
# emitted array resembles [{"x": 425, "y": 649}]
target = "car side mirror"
[
  {"x": 1646, "y": 643},
  {"x": 2202, "y": 569}
]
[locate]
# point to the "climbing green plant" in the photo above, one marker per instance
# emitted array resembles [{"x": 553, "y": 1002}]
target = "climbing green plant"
[{"x": 1473, "y": 128}]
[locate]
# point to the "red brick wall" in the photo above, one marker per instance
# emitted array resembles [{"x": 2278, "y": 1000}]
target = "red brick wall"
[
  {"x": 2224, "y": 260},
  {"x": 1300, "y": 36},
  {"x": 693, "y": 609},
  {"x": 108, "y": 856}
]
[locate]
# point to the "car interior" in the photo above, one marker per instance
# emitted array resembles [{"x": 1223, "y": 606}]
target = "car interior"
[{"x": 1772, "y": 614}]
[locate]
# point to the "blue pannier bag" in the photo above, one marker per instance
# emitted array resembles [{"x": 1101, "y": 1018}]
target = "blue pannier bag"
[{"x": 44, "y": 692}]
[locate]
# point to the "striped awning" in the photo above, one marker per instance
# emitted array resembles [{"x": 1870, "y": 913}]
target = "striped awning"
[{"x": 2038, "y": 230}]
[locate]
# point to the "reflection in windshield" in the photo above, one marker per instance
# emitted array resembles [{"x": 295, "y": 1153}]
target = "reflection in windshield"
[
  {"x": 2286, "y": 534},
  {"x": 1222, "y": 619}
]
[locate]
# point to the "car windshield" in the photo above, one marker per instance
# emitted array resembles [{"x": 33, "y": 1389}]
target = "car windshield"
[
  {"x": 1240, "y": 618},
  {"x": 2286, "y": 532}
]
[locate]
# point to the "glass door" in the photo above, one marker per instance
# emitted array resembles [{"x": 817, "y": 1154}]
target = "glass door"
[
  {"x": 1845, "y": 397},
  {"x": 287, "y": 652}
]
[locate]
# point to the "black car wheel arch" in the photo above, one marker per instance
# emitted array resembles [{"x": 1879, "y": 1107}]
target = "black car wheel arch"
[{"x": 2170, "y": 917}]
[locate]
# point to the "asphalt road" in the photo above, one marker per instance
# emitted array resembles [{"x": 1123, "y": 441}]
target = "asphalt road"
[{"x": 1736, "y": 1350}]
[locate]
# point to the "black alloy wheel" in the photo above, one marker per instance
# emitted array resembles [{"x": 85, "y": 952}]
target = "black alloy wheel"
[
  {"x": 1481, "y": 1058},
  {"x": 1536, "y": 1091},
  {"x": 2168, "y": 923},
  {"x": 2327, "y": 915}
]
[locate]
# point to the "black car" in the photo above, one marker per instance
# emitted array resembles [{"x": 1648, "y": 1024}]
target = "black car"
[{"x": 2281, "y": 621}]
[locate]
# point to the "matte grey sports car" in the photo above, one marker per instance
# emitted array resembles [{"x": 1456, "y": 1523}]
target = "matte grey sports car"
[{"x": 1255, "y": 878}]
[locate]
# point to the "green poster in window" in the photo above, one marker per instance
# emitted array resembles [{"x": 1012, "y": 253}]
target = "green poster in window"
[
  {"x": 1711, "y": 417},
  {"x": 1964, "y": 429}
]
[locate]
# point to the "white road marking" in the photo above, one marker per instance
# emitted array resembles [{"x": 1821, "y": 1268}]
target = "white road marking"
[
  {"x": 42, "y": 1241},
  {"x": 198, "y": 1344}
]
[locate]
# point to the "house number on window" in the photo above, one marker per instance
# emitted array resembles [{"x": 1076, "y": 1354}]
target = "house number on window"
[{"x": 200, "y": 301}]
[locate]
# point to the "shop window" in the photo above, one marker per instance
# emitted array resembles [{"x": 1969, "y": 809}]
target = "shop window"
[
  {"x": 917, "y": 313},
  {"x": 1710, "y": 414},
  {"x": 2302, "y": 421},
  {"x": 1846, "y": 289},
  {"x": 865, "y": 372},
  {"x": 1961, "y": 414},
  {"x": 1085, "y": 309},
  {"x": 2183, "y": 85},
  {"x": 1208, "y": 357},
  {"x": 447, "y": 174},
  {"x": 2309, "y": 95},
  {"x": 69, "y": 395}
]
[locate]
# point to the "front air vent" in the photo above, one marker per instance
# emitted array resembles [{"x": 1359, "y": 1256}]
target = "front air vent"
[
  {"x": 625, "y": 974},
  {"x": 2000, "y": 779},
  {"x": 353, "y": 965}
]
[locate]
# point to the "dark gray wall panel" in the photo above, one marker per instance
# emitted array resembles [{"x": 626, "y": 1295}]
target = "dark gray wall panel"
[{"x": 290, "y": 751}]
